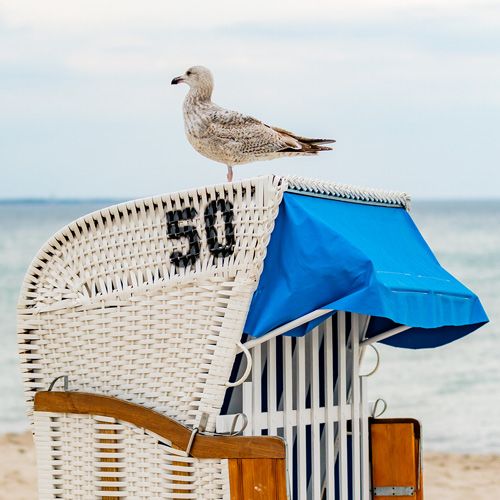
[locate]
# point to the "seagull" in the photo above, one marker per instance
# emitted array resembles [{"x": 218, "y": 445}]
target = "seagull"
[{"x": 230, "y": 137}]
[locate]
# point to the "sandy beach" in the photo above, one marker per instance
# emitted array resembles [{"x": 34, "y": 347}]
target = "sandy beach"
[
  {"x": 17, "y": 467},
  {"x": 447, "y": 476}
]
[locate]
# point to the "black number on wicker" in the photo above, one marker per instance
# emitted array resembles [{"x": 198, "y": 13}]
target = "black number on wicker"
[
  {"x": 176, "y": 231},
  {"x": 216, "y": 248}
]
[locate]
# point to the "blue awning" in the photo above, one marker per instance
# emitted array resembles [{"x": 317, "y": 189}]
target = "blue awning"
[{"x": 359, "y": 258}]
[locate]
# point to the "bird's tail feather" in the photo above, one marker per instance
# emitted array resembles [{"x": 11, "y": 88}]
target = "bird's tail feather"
[
  {"x": 315, "y": 141},
  {"x": 302, "y": 145},
  {"x": 305, "y": 149}
]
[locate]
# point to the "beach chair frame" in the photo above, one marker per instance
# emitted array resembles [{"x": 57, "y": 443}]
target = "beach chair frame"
[{"x": 146, "y": 302}]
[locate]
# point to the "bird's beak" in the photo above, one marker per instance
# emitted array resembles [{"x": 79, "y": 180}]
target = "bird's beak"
[{"x": 177, "y": 79}]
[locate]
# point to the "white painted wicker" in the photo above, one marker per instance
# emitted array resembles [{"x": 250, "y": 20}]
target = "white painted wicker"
[
  {"x": 353, "y": 194},
  {"x": 109, "y": 303},
  {"x": 145, "y": 301},
  {"x": 81, "y": 456}
]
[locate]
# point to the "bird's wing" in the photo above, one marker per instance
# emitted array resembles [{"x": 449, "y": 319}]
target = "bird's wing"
[{"x": 250, "y": 134}]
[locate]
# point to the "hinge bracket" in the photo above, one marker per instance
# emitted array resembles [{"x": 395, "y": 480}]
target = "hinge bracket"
[{"x": 393, "y": 491}]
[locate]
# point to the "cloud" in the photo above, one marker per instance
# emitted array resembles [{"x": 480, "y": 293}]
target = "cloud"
[
  {"x": 89, "y": 15},
  {"x": 410, "y": 91}
]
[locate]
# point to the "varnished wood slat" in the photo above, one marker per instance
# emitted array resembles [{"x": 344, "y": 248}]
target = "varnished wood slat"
[
  {"x": 235, "y": 467},
  {"x": 420, "y": 492},
  {"x": 111, "y": 460},
  {"x": 181, "y": 474},
  {"x": 395, "y": 455},
  {"x": 204, "y": 446},
  {"x": 280, "y": 478},
  {"x": 257, "y": 479}
]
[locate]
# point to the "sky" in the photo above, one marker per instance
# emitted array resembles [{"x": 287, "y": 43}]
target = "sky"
[{"x": 410, "y": 91}]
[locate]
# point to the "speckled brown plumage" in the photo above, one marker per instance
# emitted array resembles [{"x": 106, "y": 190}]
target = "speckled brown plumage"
[{"x": 230, "y": 137}]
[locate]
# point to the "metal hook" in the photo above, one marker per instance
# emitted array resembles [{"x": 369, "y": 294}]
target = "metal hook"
[
  {"x": 191, "y": 441},
  {"x": 201, "y": 428},
  {"x": 377, "y": 363},
  {"x": 233, "y": 432},
  {"x": 374, "y": 410},
  {"x": 248, "y": 368},
  {"x": 65, "y": 383}
]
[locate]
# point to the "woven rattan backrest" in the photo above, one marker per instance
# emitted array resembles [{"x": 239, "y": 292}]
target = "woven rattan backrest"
[{"x": 145, "y": 300}]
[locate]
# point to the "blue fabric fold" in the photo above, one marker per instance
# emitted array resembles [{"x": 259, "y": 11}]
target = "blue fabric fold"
[{"x": 360, "y": 258}]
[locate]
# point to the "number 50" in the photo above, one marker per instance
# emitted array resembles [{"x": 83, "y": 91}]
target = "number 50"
[{"x": 177, "y": 231}]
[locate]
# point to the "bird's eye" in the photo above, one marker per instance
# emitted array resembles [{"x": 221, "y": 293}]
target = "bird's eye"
[{"x": 188, "y": 73}]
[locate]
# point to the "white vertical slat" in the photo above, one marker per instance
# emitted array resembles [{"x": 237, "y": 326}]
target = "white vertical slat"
[
  {"x": 271, "y": 387},
  {"x": 256, "y": 389},
  {"x": 301, "y": 376},
  {"x": 301, "y": 406},
  {"x": 341, "y": 326},
  {"x": 288, "y": 404},
  {"x": 315, "y": 405},
  {"x": 247, "y": 407},
  {"x": 364, "y": 430},
  {"x": 365, "y": 443},
  {"x": 356, "y": 469},
  {"x": 330, "y": 426}
]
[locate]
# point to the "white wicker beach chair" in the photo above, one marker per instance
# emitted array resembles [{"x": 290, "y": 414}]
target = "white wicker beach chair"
[
  {"x": 140, "y": 308},
  {"x": 144, "y": 302}
]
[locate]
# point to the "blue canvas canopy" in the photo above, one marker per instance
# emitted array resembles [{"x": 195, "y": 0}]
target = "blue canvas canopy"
[{"x": 360, "y": 258}]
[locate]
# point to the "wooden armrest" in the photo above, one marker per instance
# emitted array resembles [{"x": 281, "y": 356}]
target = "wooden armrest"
[
  {"x": 204, "y": 446},
  {"x": 257, "y": 464}
]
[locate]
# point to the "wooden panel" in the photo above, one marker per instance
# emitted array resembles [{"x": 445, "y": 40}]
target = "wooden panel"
[
  {"x": 235, "y": 467},
  {"x": 203, "y": 447},
  {"x": 395, "y": 449},
  {"x": 420, "y": 492},
  {"x": 257, "y": 479}
]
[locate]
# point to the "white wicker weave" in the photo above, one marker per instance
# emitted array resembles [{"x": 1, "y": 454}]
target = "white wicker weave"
[
  {"x": 107, "y": 303},
  {"x": 81, "y": 456},
  {"x": 145, "y": 301},
  {"x": 354, "y": 194}
]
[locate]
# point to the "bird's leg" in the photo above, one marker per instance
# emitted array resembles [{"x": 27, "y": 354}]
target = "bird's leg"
[{"x": 229, "y": 173}]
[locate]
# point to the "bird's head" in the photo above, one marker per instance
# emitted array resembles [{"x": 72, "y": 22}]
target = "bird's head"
[{"x": 198, "y": 78}]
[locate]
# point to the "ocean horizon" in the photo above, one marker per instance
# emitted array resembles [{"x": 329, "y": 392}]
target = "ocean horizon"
[{"x": 451, "y": 389}]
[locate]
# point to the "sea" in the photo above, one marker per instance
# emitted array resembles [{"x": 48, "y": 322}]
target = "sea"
[{"x": 453, "y": 390}]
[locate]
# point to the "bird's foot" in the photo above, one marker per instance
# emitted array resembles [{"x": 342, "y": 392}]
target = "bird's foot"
[{"x": 229, "y": 174}]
